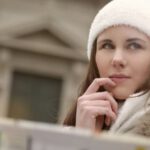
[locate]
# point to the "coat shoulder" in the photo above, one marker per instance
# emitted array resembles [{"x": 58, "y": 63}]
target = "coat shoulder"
[{"x": 143, "y": 126}]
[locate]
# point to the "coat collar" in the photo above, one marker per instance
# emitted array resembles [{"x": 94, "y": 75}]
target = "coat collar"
[{"x": 134, "y": 108}]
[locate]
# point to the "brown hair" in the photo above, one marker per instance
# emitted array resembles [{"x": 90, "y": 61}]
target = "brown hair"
[{"x": 92, "y": 73}]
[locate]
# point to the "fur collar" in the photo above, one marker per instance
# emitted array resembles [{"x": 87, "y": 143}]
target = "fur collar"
[
  {"x": 134, "y": 116},
  {"x": 143, "y": 126}
]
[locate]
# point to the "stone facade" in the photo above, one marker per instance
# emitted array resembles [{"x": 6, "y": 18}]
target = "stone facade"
[{"x": 46, "y": 38}]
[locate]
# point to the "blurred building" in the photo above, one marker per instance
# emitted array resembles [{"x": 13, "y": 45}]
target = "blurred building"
[{"x": 42, "y": 56}]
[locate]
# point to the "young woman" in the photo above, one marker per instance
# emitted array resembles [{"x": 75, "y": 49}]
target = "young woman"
[{"x": 116, "y": 92}]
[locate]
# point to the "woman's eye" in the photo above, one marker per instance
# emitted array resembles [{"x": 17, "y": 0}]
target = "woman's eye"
[
  {"x": 134, "y": 46},
  {"x": 107, "y": 46}
]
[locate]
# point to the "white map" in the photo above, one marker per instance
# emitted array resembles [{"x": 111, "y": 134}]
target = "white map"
[{"x": 25, "y": 135}]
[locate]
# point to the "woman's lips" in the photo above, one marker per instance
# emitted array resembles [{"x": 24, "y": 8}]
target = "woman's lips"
[{"x": 119, "y": 78}]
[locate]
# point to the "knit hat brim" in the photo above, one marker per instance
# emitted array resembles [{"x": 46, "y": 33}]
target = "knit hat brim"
[{"x": 120, "y": 12}]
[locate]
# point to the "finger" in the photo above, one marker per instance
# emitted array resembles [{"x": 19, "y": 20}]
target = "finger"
[
  {"x": 100, "y": 96},
  {"x": 94, "y": 111},
  {"x": 112, "y": 101},
  {"x": 96, "y": 103},
  {"x": 101, "y": 103},
  {"x": 97, "y": 83},
  {"x": 110, "y": 115},
  {"x": 107, "y": 121},
  {"x": 88, "y": 118}
]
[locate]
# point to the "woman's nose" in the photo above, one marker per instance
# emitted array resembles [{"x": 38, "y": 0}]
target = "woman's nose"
[{"x": 118, "y": 60}]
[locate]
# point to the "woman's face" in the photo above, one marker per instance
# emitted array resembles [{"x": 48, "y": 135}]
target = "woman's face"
[{"x": 123, "y": 55}]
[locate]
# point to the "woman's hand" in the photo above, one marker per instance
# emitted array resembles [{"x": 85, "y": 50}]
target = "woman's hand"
[{"x": 92, "y": 106}]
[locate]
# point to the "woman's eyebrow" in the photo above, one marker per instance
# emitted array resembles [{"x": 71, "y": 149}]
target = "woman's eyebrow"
[
  {"x": 135, "y": 39},
  {"x": 104, "y": 41}
]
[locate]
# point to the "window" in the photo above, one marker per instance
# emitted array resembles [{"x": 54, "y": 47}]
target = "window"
[{"x": 35, "y": 97}]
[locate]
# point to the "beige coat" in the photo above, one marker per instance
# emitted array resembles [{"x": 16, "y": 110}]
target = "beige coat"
[
  {"x": 134, "y": 116},
  {"x": 143, "y": 126}
]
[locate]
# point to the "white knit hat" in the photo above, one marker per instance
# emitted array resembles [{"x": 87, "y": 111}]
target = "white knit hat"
[{"x": 135, "y": 13}]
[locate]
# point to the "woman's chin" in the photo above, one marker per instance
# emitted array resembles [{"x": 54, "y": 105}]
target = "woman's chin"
[{"x": 121, "y": 94}]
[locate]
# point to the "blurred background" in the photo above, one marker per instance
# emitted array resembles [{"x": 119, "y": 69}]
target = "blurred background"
[{"x": 43, "y": 56}]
